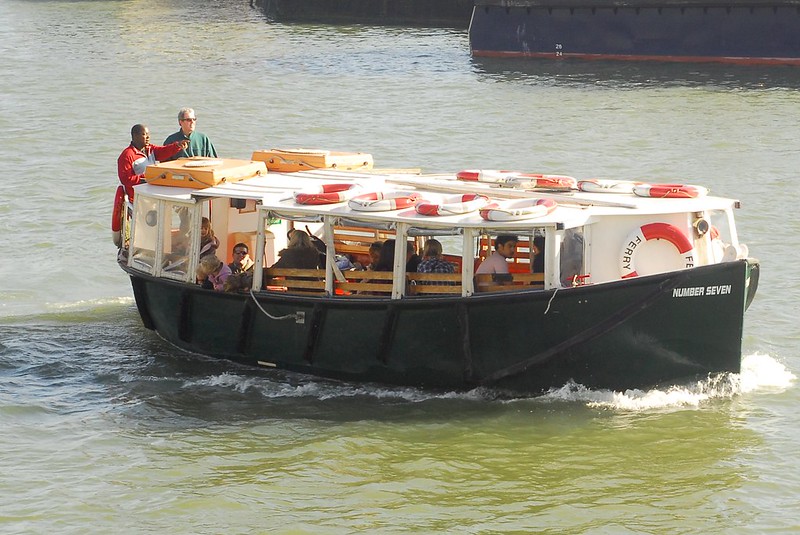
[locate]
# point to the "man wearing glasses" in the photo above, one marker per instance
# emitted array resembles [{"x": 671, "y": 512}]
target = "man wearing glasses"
[
  {"x": 199, "y": 144},
  {"x": 242, "y": 263}
]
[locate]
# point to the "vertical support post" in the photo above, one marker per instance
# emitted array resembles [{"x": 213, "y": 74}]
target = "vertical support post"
[
  {"x": 468, "y": 262},
  {"x": 399, "y": 272},
  {"x": 552, "y": 258},
  {"x": 258, "y": 270}
]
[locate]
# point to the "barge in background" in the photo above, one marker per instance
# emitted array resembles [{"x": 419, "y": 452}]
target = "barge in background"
[
  {"x": 612, "y": 285},
  {"x": 763, "y": 32},
  {"x": 426, "y": 13}
]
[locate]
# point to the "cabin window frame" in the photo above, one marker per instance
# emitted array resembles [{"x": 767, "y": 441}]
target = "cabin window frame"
[{"x": 160, "y": 230}]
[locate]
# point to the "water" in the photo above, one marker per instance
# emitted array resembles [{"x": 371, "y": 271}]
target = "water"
[{"x": 108, "y": 428}]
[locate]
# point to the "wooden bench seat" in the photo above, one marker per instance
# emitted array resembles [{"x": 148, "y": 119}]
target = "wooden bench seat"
[
  {"x": 292, "y": 280},
  {"x": 365, "y": 283},
  {"x": 496, "y": 282},
  {"x": 433, "y": 283},
  {"x": 379, "y": 283}
]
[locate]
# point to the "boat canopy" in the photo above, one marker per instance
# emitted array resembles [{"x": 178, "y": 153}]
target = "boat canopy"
[{"x": 275, "y": 193}]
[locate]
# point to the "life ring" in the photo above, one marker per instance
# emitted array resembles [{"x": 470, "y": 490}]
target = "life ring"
[
  {"x": 486, "y": 175},
  {"x": 383, "y": 201},
  {"x": 654, "y": 231},
  {"x": 453, "y": 205},
  {"x": 117, "y": 215},
  {"x": 517, "y": 210},
  {"x": 539, "y": 181},
  {"x": 119, "y": 206},
  {"x": 327, "y": 194},
  {"x": 595, "y": 185},
  {"x": 670, "y": 191}
]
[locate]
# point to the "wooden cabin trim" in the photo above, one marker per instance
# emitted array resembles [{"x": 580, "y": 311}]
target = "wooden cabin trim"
[
  {"x": 379, "y": 283},
  {"x": 294, "y": 280},
  {"x": 488, "y": 282},
  {"x": 433, "y": 283}
]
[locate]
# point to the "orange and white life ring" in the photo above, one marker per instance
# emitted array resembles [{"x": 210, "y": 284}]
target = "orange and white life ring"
[
  {"x": 491, "y": 176},
  {"x": 117, "y": 215},
  {"x": 654, "y": 231},
  {"x": 596, "y": 185},
  {"x": 453, "y": 205},
  {"x": 119, "y": 206},
  {"x": 327, "y": 194},
  {"x": 382, "y": 201},
  {"x": 518, "y": 210},
  {"x": 670, "y": 191},
  {"x": 539, "y": 181}
]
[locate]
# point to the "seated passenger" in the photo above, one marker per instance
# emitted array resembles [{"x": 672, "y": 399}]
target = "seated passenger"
[
  {"x": 208, "y": 242},
  {"x": 385, "y": 262},
  {"x": 432, "y": 261},
  {"x": 300, "y": 254},
  {"x": 242, "y": 263},
  {"x": 212, "y": 272},
  {"x": 239, "y": 282},
  {"x": 316, "y": 242},
  {"x": 412, "y": 258},
  {"x": 374, "y": 255},
  {"x": 385, "y": 258},
  {"x": 505, "y": 245}
]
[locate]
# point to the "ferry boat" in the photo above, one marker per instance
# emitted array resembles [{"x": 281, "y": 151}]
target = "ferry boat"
[
  {"x": 612, "y": 284},
  {"x": 726, "y": 31}
]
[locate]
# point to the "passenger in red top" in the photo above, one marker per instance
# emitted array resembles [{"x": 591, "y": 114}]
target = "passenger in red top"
[{"x": 139, "y": 154}]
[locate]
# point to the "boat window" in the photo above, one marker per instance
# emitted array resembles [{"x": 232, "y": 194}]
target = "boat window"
[
  {"x": 178, "y": 236},
  {"x": 721, "y": 235},
  {"x": 526, "y": 259},
  {"x": 145, "y": 234},
  {"x": 720, "y": 226},
  {"x": 571, "y": 256},
  {"x": 353, "y": 243}
]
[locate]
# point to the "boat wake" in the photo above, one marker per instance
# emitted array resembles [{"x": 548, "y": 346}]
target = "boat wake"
[{"x": 759, "y": 372}]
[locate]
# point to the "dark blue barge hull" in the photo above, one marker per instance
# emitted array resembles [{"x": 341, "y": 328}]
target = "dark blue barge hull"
[{"x": 678, "y": 32}]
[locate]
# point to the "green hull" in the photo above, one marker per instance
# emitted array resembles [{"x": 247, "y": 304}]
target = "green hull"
[{"x": 633, "y": 333}]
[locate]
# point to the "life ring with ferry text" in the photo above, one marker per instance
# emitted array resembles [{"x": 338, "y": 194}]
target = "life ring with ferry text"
[
  {"x": 654, "y": 231},
  {"x": 453, "y": 205},
  {"x": 326, "y": 194},
  {"x": 383, "y": 201}
]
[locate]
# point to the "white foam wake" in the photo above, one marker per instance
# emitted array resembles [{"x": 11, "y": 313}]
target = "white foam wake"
[{"x": 759, "y": 372}]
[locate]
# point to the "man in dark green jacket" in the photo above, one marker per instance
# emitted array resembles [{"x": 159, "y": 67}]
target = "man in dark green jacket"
[{"x": 199, "y": 144}]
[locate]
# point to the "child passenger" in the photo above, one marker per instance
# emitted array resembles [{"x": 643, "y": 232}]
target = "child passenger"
[
  {"x": 212, "y": 273},
  {"x": 208, "y": 242}
]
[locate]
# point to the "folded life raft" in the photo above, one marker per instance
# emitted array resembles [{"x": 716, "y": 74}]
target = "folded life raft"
[
  {"x": 291, "y": 160},
  {"x": 202, "y": 172}
]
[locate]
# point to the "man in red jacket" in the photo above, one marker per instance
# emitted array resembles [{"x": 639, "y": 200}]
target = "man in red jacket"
[{"x": 139, "y": 154}]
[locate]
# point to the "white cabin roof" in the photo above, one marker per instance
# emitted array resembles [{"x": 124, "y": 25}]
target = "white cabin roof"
[{"x": 275, "y": 192}]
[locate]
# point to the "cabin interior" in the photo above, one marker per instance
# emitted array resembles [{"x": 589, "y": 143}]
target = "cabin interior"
[{"x": 164, "y": 242}]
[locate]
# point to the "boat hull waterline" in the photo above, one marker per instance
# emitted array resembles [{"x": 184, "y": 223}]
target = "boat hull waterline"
[{"x": 659, "y": 329}]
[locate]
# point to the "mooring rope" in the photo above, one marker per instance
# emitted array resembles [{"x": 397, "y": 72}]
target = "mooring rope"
[
  {"x": 550, "y": 301},
  {"x": 294, "y": 316}
]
